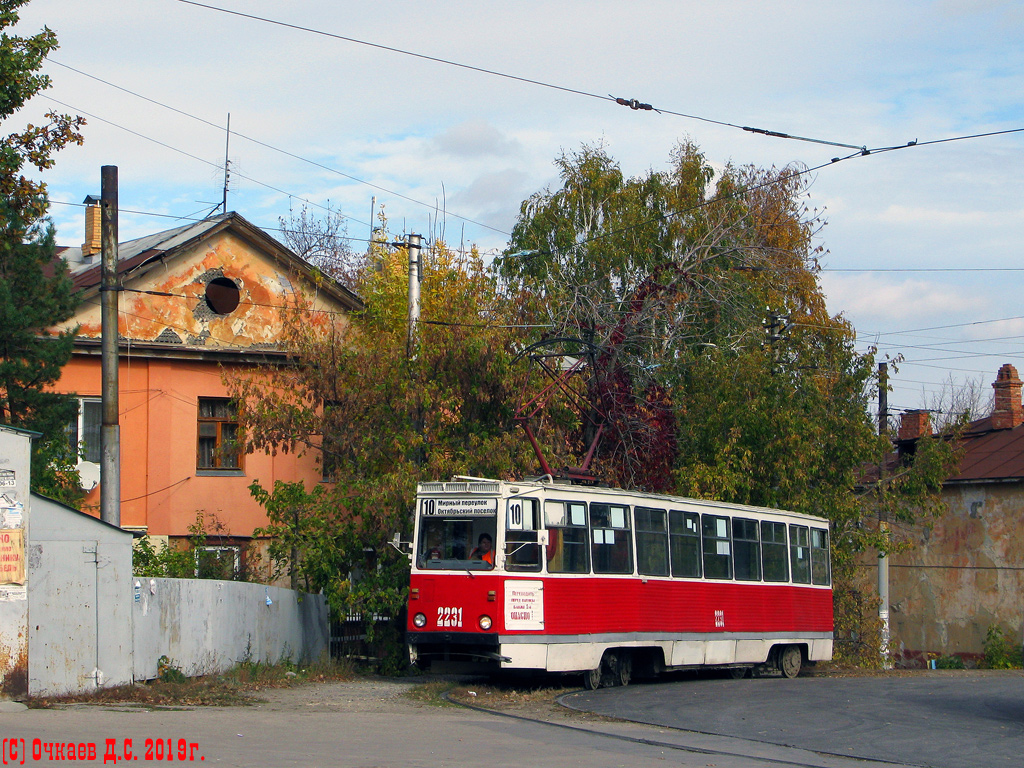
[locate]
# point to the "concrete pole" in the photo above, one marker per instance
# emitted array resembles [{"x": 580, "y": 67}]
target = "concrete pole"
[
  {"x": 883, "y": 525},
  {"x": 110, "y": 437},
  {"x": 415, "y": 276}
]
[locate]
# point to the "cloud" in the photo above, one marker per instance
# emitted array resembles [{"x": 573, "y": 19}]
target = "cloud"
[
  {"x": 476, "y": 138},
  {"x": 877, "y": 298}
]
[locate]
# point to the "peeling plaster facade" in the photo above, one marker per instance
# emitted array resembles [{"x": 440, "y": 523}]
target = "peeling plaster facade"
[
  {"x": 174, "y": 349},
  {"x": 964, "y": 575},
  {"x": 966, "y": 571}
]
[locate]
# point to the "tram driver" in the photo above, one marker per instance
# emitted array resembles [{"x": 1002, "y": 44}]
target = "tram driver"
[{"x": 484, "y": 549}]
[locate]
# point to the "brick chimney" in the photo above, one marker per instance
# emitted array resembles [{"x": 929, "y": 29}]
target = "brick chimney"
[
  {"x": 914, "y": 424},
  {"x": 93, "y": 229},
  {"x": 1008, "y": 411}
]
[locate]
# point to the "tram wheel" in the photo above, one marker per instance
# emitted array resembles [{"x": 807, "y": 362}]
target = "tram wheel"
[
  {"x": 738, "y": 673},
  {"x": 592, "y": 679},
  {"x": 790, "y": 661},
  {"x": 624, "y": 668}
]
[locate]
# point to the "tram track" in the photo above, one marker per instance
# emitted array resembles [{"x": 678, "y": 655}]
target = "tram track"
[{"x": 825, "y": 759}]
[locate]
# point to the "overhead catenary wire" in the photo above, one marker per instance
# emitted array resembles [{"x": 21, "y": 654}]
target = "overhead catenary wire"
[{"x": 632, "y": 103}]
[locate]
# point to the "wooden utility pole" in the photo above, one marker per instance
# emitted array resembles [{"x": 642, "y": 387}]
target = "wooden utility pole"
[{"x": 110, "y": 430}]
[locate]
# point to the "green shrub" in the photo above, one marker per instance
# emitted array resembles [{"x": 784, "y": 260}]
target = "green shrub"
[
  {"x": 999, "y": 653},
  {"x": 949, "y": 662}
]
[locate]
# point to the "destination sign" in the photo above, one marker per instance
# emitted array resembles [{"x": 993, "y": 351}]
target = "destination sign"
[{"x": 460, "y": 507}]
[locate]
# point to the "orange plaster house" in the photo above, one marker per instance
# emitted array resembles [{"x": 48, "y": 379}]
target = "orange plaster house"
[{"x": 215, "y": 292}]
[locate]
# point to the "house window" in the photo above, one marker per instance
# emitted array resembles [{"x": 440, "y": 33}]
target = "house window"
[
  {"x": 218, "y": 563},
  {"x": 84, "y": 429},
  {"x": 219, "y": 445}
]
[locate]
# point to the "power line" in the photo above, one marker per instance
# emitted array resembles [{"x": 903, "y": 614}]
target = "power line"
[
  {"x": 263, "y": 144},
  {"x": 631, "y": 103},
  {"x": 218, "y": 166}
]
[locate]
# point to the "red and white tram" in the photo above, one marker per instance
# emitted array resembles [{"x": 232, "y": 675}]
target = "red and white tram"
[{"x": 539, "y": 575}]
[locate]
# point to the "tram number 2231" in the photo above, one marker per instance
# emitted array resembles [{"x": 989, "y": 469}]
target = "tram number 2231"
[{"x": 449, "y": 617}]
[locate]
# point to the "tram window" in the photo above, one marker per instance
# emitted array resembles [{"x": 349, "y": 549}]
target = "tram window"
[
  {"x": 446, "y": 543},
  {"x": 819, "y": 557},
  {"x": 567, "y": 537},
  {"x": 799, "y": 554},
  {"x": 746, "y": 549},
  {"x": 611, "y": 542},
  {"x": 651, "y": 541},
  {"x": 774, "y": 551},
  {"x": 717, "y": 547},
  {"x": 684, "y": 537},
  {"x": 522, "y": 553}
]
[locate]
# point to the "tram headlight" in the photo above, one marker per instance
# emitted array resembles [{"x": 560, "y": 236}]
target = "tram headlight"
[
  {"x": 419, "y": 620},
  {"x": 485, "y": 622}
]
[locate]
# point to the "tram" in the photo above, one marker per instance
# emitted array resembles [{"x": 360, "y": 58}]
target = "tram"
[{"x": 542, "y": 575}]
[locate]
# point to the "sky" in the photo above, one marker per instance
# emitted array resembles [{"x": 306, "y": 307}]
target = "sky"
[{"x": 923, "y": 243}]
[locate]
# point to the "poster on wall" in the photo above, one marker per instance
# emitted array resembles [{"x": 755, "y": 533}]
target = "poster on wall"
[
  {"x": 12, "y": 513},
  {"x": 12, "y": 556}
]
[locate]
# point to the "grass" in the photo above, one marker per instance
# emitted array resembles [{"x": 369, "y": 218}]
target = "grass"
[{"x": 236, "y": 687}]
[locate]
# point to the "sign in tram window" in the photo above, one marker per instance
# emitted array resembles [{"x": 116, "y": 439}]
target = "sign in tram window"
[
  {"x": 774, "y": 552},
  {"x": 651, "y": 541},
  {"x": 611, "y": 542},
  {"x": 800, "y": 554},
  {"x": 684, "y": 537},
  {"x": 746, "y": 549},
  {"x": 522, "y": 553},
  {"x": 819, "y": 557},
  {"x": 567, "y": 550},
  {"x": 717, "y": 547}
]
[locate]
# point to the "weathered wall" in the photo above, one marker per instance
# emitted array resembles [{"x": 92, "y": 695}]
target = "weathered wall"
[
  {"x": 15, "y": 503},
  {"x": 206, "y": 626},
  {"x": 965, "y": 574}
]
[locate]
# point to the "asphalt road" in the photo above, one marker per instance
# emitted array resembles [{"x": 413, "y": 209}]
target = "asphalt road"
[
  {"x": 947, "y": 721},
  {"x": 938, "y": 719}
]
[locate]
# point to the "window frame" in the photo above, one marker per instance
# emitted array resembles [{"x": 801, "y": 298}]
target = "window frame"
[
  {"x": 652, "y": 543},
  {"x": 220, "y": 422},
  {"x": 615, "y": 557},
  {"x": 716, "y": 558},
  {"x": 557, "y": 540},
  {"x": 750, "y": 548},
  {"x": 776, "y": 551},
  {"x": 520, "y": 542},
  {"x": 680, "y": 538},
  {"x": 78, "y": 434},
  {"x": 798, "y": 542},
  {"x": 819, "y": 553}
]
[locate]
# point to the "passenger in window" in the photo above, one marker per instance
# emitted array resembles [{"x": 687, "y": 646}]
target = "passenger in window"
[{"x": 483, "y": 550}]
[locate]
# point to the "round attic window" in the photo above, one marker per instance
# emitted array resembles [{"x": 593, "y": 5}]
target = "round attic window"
[{"x": 222, "y": 295}]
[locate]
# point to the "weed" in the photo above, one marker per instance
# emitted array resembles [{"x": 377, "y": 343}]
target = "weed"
[
  {"x": 236, "y": 687},
  {"x": 999, "y": 654}
]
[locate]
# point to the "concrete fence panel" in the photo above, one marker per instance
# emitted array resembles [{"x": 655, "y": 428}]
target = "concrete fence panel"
[{"x": 204, "y": 626}]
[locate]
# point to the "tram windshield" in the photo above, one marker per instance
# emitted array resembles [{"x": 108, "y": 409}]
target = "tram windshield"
[{"x": 457, "y": 534}]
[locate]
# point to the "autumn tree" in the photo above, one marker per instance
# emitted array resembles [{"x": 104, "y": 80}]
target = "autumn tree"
[
  {"x": 715, "y": 367},
  {"x": 35, "y": 290},
  {"x": 381, "y": 420},
  {"x": 323, "y": 242}
]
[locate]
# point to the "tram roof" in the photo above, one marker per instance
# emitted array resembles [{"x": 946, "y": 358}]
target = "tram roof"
[{"x": 490, "y": 487}]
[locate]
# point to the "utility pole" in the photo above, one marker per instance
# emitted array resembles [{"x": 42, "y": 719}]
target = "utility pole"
[
  {"x": 883, "y": 525},
  {"x": 415, "y": 276},
  {"x": 110, "y": 430}
]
